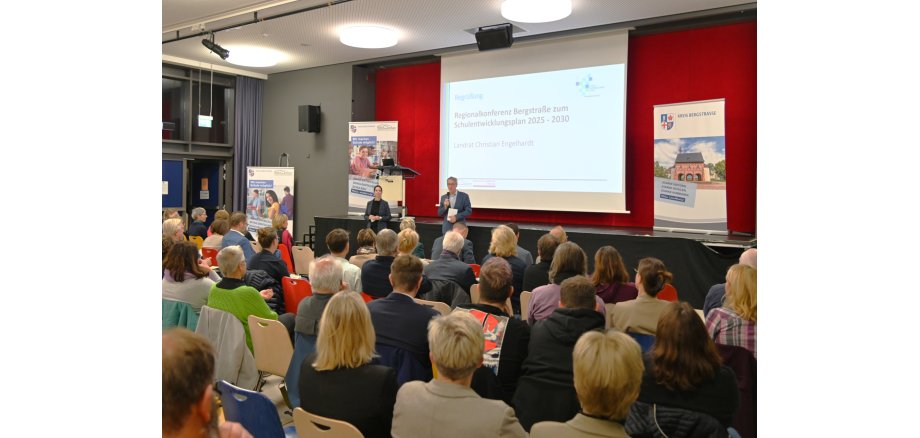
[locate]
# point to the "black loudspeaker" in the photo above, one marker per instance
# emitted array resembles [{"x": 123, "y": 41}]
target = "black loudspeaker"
[
  {"x": 308, "y": 118},
  {"x": 494, "y": 37}
]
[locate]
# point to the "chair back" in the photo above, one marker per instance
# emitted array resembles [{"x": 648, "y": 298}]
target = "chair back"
[
  {"x": 302, "y": 257},
  {"x": 313, "y": 426},
  {"x": 645, "y": 341},
  {"x": 256, "y": 246},
  {"x": 286, "y": 256},
  {"x": 359, "y": 259},
  {"x": 197, "y": 240},
  {"x": 271, "y": 345},
  {"x": 233, "y": 362},
  {"x": 702, "y": 316},
  {"x": 294, "y": 290},
  {"x": 744, "y": 364},
  {"x": 525, "y": 303},
  {"x": 474, "y": 293},
  {"x": 667, "y": 293},
  {"x": 608, "y": 308},
  {"x": 475, "y": 269},
  {"x": 179, "y": 314},
  {"x": 442, "y": 308},
  {"x": 367, "y": 298},
  {"x": 447, "y": 292},
  {"x": 304, "y": 346},
  {"x": 253, "y": 410},
  {"x": 210, "y": 253}
]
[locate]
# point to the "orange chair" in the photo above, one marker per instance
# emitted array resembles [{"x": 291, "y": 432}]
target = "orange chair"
[
  {"x": 294, "y": 291},
  {"x": 286, "y": 256},
  {"x": 210, "y": 253},
  {"x": 475, "y": 269},
  {"x": 668, "y": 293}
]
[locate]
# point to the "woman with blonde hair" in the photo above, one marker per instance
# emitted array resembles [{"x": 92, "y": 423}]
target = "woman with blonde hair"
[
  {"x": 408, "y": 223},
  {"x": 735, "y": 323},
  {"x": 504, "y": 245},
  {"x": 610, "y": 277},
  {"x": 409, "y": 244},
  {"x": 280, "y": 224},
  {"x": 173, "y": 229},
  {"x": 338, "y": 380}
]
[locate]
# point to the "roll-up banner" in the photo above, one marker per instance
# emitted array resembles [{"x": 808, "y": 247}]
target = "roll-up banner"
[
  {"x": 690, "y": 167},
  {"x": 369, "y": 143},
  {"x": 269, "y": 192}
]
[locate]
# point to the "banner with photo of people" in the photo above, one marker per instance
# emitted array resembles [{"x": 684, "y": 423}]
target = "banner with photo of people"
[
  {"x": 369, "y": 143},
  {"x": 269, "y": 193},
  {"x": 690, "y": 167}
]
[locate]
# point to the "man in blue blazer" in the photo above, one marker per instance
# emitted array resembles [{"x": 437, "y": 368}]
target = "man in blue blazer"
[
  {"x": 235, "y": 236},
  {"x": 454, "y": 199}
]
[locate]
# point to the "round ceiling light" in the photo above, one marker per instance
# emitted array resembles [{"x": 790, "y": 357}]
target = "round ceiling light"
[
  {"x": 368, "y": 37},
  {"x": 536, "y": 11},
  {"x": 253, "y": 56}
]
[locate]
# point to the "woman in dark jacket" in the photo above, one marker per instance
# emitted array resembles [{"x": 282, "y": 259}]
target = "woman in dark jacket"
[{"x": 377, "y": 214}]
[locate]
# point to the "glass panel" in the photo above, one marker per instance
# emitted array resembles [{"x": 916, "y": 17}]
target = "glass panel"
[
  {"x": 219, "y": 132},
  {"x": 175, "y": 109}
]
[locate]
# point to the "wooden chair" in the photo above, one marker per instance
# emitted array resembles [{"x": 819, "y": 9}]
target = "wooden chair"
[
  {"x": 286, "y": 256},
  {"x": 272, "y": 348},
  {"x": 302, "y": 258},
  {"x": 702, "y": 316},
  {"x": 294, "y": 291},
  {"x": 608, "y": 308},
  {"x": 197, "y": 240},
  {"x": 313, "y": 426},
  {"x": 210, "y": 253},
  {"x": 442, "y": 308},
  {"x": 525, "y": 303}
]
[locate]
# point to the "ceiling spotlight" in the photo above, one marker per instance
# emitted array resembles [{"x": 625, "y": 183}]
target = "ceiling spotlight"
[
  {"x": 212, "y": 46},
  {"x": 368, "y": 37},
  {"x": 536, "y": 11}
]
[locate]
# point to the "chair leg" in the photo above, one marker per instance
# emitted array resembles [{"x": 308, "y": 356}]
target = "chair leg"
[
  {"x": 284, "y": 394},
  {"x": 262, "y": 376}
]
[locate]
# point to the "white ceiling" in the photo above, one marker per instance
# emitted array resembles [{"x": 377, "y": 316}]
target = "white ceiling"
[{"x": 310, "y": 39}]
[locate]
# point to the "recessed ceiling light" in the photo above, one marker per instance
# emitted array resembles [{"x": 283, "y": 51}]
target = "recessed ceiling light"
[
  {"x": 368, "y": 37},
  {"x": 253, "y": 56},
  {"x": 536, "y": 11}
]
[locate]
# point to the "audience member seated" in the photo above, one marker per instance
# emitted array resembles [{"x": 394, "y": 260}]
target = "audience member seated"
[
  {"x": 610, "y": 278},
  {"x": 466, "y": 255},
  {"x": 407, "y": 223},
  {"x": 338, "y": 380},
  {"x": 545, "y": 391},
  {"x": 446, "y": 407},
  {"x": 401, "y": 323},
  {"x": 367, "y": 249},
  {"x": 168, "y": 243},
  {"x": 641, "y": 314},
  {"x": 522, "y": 253},
  {"x": 683, "y": 371},
  {"x": 171, "y": 213},
  {"x": 568, "y": 261},
  {"x": 538, "y": 275},
  {"x": 174, "y": 229},
  {"x": 216, "y": 233},
  {"x": 735, "y": 323},
  {"x": 559, "y": 232},
  {"x": 504, "y": 245},
  {"x": 375, "y": 274},
  {"x": 449, "y": 266},
  {"x": 337, "y": 243},
  {"x": 218, "y": 215},
  {"x": 280, "y": 224},
  {"x": 608, "y": 373},
  {"x": 237, "y": 236},
  {"x": 198, "y": 228},
  {"x": 233, "y": 296},
  {"x": 189, "y": 402},
  {"x": 268, "y": 260},
  {"x": 716, "y": 294},
  {"x": 507, "y": 336},
  {"x": 409, "y": 244},
  {"x": 186, "y": 277}
]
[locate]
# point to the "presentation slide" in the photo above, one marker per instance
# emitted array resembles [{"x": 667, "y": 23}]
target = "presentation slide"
[{"x": 555, "y": 131}]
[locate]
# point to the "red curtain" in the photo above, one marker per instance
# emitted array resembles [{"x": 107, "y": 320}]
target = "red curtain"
[{"x": 699, "y": 64}]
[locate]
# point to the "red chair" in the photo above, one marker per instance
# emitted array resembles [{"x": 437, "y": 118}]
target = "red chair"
[
  {"x": 367, "y": 298},
  {"x": 668, "y": 293},
  {"x": 286, "y": 256},
  {"x": 210, "y": 253},
  {"x": 294, "y": 291},
  {"x": 475, "y": 269}
]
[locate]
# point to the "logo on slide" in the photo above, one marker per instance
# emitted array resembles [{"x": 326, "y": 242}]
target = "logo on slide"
[
  {"x": 252, "y": 172},
  {"x": 667, "y": 121},
  {"x": 586, "y": 86},
  {"x": 353, "y": 128}
]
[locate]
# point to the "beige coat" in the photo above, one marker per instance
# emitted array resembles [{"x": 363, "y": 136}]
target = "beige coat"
[
  {"x": 639, "y": 315},
  {"x": 582, "y": 426}
]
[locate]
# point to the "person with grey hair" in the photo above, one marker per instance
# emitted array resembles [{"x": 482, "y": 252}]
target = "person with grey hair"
[
  {"x": 466, "y": 254},
  {"x": 716, "y": 295},
  {"x": 449, "y": 266},
  {"x": 174, "y": 229},
  {"x": 232, "y": 295},
  {"x": 375, "y": 274},
  {"x": 455, "y": 206},
  {"x": 198, "y": 228},
  {"x": 327, "y": 279},
  {"x": 446, "y": 406}
]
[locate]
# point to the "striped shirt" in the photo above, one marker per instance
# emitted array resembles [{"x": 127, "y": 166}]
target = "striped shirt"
[{"x": 728, "y": 328}]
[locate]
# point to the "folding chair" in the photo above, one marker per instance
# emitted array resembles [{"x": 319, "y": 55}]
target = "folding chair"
[
  {"x": 253, "y": 410},
  {"x": 525, "y": 303},
  {"x": 302, "y": 256},
  {"x": 442, "y": 308},
  {"x": 475, "y": 269},
  {"x": 294, "y": 291},
  {"x": 271, "y": 346},
  {"x": 667, "y": 293},
  {"x": 197, "y": 240},
  {"x": 210, "y": 253},
  {"x": 286, "y": 256},
  {"x": 313, "y": 426}
]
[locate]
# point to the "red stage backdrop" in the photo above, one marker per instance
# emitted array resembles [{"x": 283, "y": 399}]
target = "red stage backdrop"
[{"x": 699, "y": 64}]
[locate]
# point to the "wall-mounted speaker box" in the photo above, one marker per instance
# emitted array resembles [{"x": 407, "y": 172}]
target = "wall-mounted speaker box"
[
  {"x": 308, "y": 118},
  {"x": 498, "y": 36}
]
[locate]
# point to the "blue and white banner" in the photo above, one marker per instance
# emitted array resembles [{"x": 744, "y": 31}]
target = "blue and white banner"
[
  {"x": 369, "y": 143},
  {"x": 690, "y": 166},
  {"x": 269, "y": 192}
]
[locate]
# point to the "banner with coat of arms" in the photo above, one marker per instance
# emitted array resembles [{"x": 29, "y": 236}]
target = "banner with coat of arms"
[{"x": 690, "y": 167}]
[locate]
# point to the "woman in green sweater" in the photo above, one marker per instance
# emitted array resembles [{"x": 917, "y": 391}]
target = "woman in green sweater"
[{"x": 232, "y": 295}]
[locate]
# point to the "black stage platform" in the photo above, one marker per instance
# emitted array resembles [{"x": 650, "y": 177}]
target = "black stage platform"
[{"x": 697, "y": 260}]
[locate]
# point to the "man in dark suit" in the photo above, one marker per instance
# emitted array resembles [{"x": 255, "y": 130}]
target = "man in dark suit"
[
  {"x": 449, "y": 266},
  {"x": 401, "y": 324},
  {"x": 466, "y": 254},
  {"x": 454, "y": 200}
]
